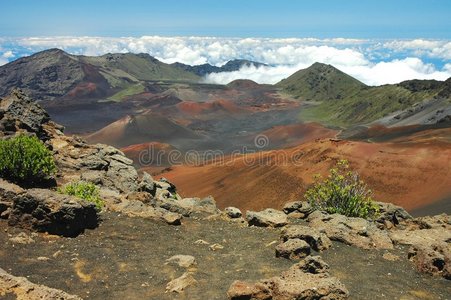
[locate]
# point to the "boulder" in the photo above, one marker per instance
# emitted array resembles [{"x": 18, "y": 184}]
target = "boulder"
[
  {"x": 267, "y": 218},
  {"x": 293, "y": 249},
  {"x": 134, "y": 208},
  {"x": 316, "y": 239},
  {"x": 12, "y": 287},
  {"x": 308, "y": 279},
  {"x": 48, "y": 211},
  {"x": 302, "y": 207},
  {"x": 233, "y": 212},
  {"x": 189, "y": 206},
  {"x": 391, "y": 215},
  {"x": 352, "y": 231},
  {"x": 20, "y": 113},
  {"x": 434, "y": 259}
]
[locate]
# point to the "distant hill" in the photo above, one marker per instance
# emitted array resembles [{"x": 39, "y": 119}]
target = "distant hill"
[
  {"x": 54, "y": 74},
  {"x": 341, "y": 100},
  {"x": 140, "y": 129},
  {"x": 321, "y": 82},
  {"x": 230, "y": 66}
]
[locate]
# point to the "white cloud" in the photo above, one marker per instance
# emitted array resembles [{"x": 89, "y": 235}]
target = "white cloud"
[{"x": 371, "y": 61}]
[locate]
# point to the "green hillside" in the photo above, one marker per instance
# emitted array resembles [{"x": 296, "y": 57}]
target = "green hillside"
[
  {"x": 320, "y": 82},
  {"x": 337, "y": 99}
]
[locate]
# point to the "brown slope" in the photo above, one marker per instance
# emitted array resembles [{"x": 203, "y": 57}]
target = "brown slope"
[
  {"x": 143, "y": 128},
  {"x": 409, "y": 175}
]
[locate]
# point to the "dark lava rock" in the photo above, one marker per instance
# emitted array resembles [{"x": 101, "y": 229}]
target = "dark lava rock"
[{"x": 46, "y": 210}]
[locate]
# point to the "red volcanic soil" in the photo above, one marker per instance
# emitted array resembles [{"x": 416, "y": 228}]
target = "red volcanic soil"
[
  {"x": 195, "y": 108},
  {"x": 409, "y": 175},
  {"x": 151, "y": 154},
  {"x": 295, "y": 134},
  {"x": 82, "y": 90},
  {"x": 140, "y": 129}
]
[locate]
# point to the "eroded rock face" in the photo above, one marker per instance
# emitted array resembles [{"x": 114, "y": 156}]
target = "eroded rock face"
[
  {"x": 308, "y": 279},
  {"x": 433, "y": 259},
  {"x": 20, "y": 113},
  {"x": 429, "y": 238},
  {"x": 391, "y": 215},
  {"x": 352, "y": 231},
  {"x": 316, "y": 239},
  {"x": 293, "y": 249},
  {"x": 12, "y": 287},
  {"x": 47, "y": 211},
  {"x": 267, "y": 218}
]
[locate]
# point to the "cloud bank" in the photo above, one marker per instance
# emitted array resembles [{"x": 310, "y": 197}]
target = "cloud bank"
[{"x": 374, "y": 62}]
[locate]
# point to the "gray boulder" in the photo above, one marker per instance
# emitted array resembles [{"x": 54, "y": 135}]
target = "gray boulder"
[
  {"x": 293, "y": 249},
  {"x": 267, "y": 218},
  {"x": 48, "y": 211},
  {"x": 352, "y": 231},
  {"x": 316, "y": 239}
]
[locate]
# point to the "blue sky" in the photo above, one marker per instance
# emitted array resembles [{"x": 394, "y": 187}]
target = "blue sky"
[{"x": 232, "y": 18}]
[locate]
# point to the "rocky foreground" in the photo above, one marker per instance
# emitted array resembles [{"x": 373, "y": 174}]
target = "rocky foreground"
[{"x": 149, "y": 242}]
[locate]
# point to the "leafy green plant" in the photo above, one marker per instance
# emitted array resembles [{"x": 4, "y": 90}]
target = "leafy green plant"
[
  {"x": 25, "y": 160},
  {"x": 84, "y": 190},
  {"x": 342, "y": 192}
]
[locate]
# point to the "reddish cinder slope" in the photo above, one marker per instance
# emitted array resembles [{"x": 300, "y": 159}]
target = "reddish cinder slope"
[
  {"x": 409, "y": 175},
  {"x": 295, "y": 134}
]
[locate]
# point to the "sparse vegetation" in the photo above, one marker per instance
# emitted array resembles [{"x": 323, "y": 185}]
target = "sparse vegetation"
[
  {"x": 342, "y": 192},
  {"x": 84, "y": 190},
  {"x": 25, "y": 160}
]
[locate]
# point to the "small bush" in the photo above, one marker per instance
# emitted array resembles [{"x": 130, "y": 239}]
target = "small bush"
[
  {"x": 84, "y": 190},
  {"x": 342, "y": 192},
  {"x": 25, "y": 160}
]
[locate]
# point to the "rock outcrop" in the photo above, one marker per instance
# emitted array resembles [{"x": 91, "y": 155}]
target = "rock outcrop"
[
  {"x": 352, "y": 231},
  {"x": 429, "y": 238},
  {"x": 46, "y": 210},
  {"x": 308, "y": 279},
  {"x": 267, "y": 218},
  {"x": 12, "y": 287}
]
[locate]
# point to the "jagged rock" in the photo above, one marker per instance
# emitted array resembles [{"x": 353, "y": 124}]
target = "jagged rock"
[
  {"x": 429, "y": 238},
  {"x": 12, "y": 287},
  {"x": 352, "y": 231},
  {"x": 267, "y": 218},
  {"x": 20, "y": 113},
  {"x": 179, "y": 284},
  {"x": 293, "y": 249},
  {"x": 316, "y": 239},
  {"x": 190, "y": 206},
  {"x": 133, "y": 208},
  {"x": 147, "y": 184},
  {"x": 308, "y": 279},
  {"x": 391, "y": 215},
  {"x": 183, "y": 261},
  {"x": 48, "y": 211},
  {"x": 302, "y": 207},
  {"x": 433, "y": 259},
  {"x": 240, "y": 290},
  {"x": 233, "y": 212}
]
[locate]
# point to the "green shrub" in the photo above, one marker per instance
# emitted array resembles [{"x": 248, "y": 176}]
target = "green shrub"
[
  {"x": 342, "y": 192},
  {"x": 84, "y": 190},
  {"x": 25, "y": 160}
]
